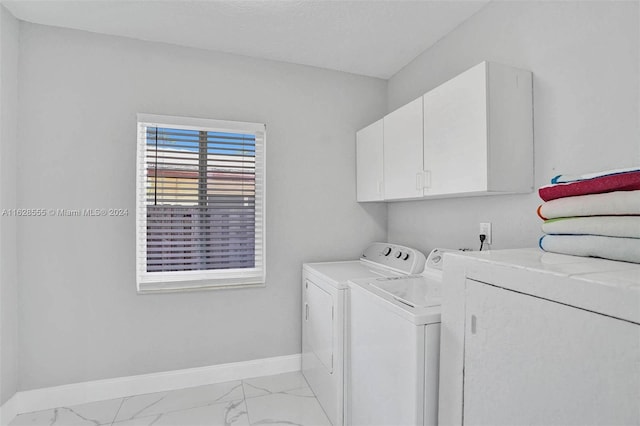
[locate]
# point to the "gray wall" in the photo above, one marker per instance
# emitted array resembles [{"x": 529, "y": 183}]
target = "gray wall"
[
  {"x": 80, "y": 317},
  {"x": 584, "y": 58},
  {"x": 8, "y": 261}
]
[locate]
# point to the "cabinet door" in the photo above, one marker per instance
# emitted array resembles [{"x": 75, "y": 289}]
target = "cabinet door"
[
  {"x": 369, "y": 166},
  {"x": 536, "y": 362},
  {"x": 403, "y": 177},
  {"x": 455, "y": 134}
]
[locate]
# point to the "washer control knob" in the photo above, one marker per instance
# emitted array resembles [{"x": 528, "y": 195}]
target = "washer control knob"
[
  {"x": 406, "y": 256},
  {"x": 398, "y": 254},
  {"x": 387, "y": 251}
]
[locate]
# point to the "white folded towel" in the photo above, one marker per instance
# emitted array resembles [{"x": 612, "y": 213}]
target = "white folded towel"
[
  {"x": 610, "y": 203},
  {"x": 610, "y": 226},
  {"x": 614, "y": 248}
]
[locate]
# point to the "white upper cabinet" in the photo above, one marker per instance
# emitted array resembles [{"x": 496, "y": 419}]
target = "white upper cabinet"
[
  {"x": 369, "y": 169},
  {"x": 403, "y": 177},
  {"x": 472, "y": 135},
  {"x": 478, "y": 134}
]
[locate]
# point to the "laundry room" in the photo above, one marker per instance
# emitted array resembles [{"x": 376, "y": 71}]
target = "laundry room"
[{"x": 227, "y": 212}]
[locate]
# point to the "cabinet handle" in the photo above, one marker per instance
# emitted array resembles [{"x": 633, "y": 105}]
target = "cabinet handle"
[
  {"x": 423, "y": 180},
  {"x": 306, "y": 313},
  {"x": 473, "y": 324},
  {"x": 379, "y": 187},
  {"x": 427, "y": 178}
]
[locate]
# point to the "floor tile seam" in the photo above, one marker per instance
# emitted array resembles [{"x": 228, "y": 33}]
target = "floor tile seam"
[
  {"x": 181, "y": 409},
  {"x": 173, "y": 390},
  {"x": 167, "y": 393},
  {"x": 246, "y": 407},
  {"x": 306, "y": 385},
  {"x": 284, "y": 392},
  {"x": 117, "y": 411}
]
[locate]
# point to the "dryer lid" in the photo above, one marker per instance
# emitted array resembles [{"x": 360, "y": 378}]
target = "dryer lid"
[{"x": 338, "y": 273}]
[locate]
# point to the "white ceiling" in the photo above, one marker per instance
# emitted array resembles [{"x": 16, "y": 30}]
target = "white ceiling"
[{"x": 368, "y": 37}]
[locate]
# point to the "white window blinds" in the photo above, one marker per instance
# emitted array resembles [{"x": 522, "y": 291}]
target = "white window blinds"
[{"x": 200, "y": 203}]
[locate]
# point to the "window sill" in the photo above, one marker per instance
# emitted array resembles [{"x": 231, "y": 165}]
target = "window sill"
[{"x": 181, "y": 287}]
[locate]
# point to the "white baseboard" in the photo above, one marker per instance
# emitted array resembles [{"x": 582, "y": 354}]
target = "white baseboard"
[
  {"x": 98, "y": 390},
  {"x": 9, "y": 410}
]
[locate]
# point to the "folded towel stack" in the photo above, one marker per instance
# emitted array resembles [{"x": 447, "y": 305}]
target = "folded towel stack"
[{"x": 596, "y": 215}]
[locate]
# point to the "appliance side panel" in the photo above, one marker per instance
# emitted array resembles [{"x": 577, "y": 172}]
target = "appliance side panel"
[
  {"x": 319, "y": 343},
  {"x": 530, "y": 360},
  {"x": 510, "y": 129},
  {"x": 383, "y": 370},
  {"x": 432, "y": 371}
]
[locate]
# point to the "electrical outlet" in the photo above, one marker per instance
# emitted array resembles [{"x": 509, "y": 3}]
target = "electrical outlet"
[{"x": 485, "y": 228}]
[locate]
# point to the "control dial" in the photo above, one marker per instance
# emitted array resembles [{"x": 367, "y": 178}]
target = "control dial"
[
  {"x": 398, "y": 254},
  {"x": 387, "y": 251},
  {"x": 406, "y": 256}
]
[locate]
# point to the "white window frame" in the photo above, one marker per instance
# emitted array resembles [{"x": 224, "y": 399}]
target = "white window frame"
[{"x": 152, "y": 282}]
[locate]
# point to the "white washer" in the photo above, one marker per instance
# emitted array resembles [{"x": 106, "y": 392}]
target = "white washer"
[
  {"x": 324, "y": 303},
  {"x": 394, "y": 348}
]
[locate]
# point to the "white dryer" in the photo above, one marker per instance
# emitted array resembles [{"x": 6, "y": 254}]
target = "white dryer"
[
  {"x": 324, "y": 303},
  {"x": 394, "y": 348}
]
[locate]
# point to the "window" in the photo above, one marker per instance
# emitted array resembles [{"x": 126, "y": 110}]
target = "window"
[{"x": 200, "y": 203}]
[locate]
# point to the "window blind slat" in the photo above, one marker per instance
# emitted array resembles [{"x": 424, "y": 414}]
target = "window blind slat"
[
  {"x": 195, "y": 256},
  {"x": 178, "y": 133},
  {"x": 179, "y": 243},
  {"x": 210, "y": 190},
  {"x": 186, "y": 156},
  {"x": 158, "y": 229}
]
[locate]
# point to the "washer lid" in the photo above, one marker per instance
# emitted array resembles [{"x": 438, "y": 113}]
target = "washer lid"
[
  {"x": 366, "y": 290},
  {"x": 416, "y": 292}
]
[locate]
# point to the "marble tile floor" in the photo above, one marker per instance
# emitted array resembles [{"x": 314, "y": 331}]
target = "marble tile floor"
[{"x": 283, "y": 399}]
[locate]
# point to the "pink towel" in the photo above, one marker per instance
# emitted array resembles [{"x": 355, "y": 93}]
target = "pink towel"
[{"x": 617, "y": 182}]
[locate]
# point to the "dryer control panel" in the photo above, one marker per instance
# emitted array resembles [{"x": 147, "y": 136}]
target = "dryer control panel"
[
  {"x": 405, "y": 260},
  {"x": 436, "y": 258}
]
